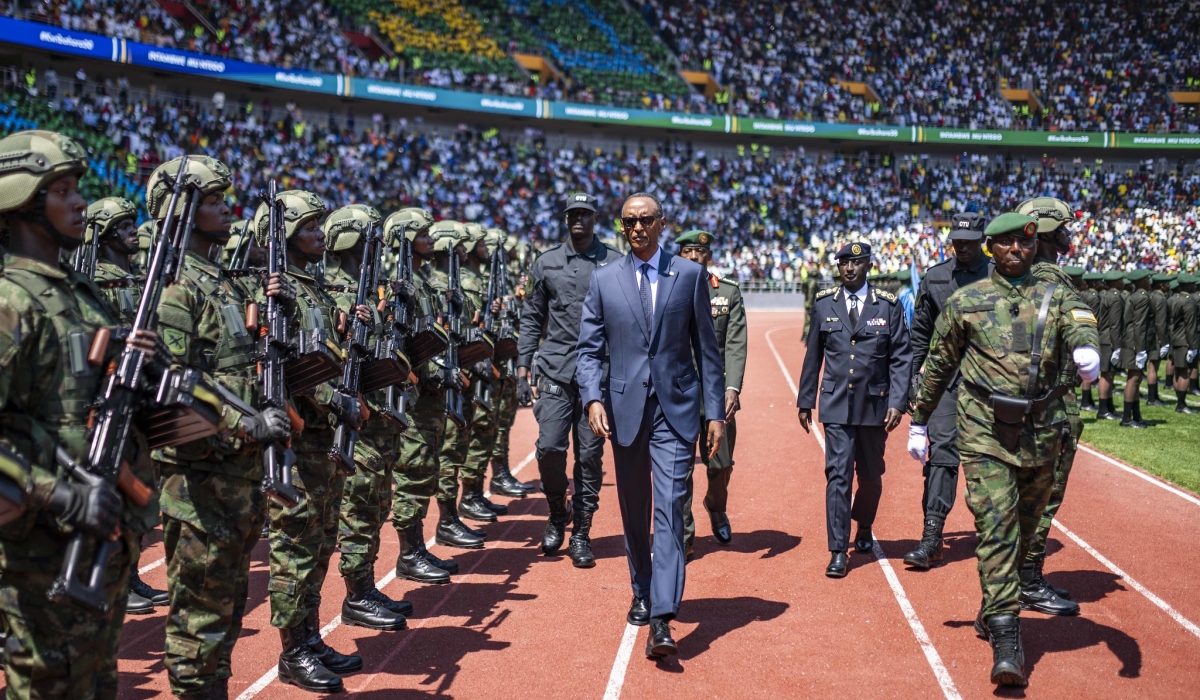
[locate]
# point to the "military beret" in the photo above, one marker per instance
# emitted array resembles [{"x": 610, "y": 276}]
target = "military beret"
[
  {"x": 854, "y": 250},
  {"x": 1113, "y": 275},
  {"x": 1093, "y": 277},
  {"x": 580, "y": 200},
  {"x": 695, "y": 237},
  {"x": 966, "y": 226},
  {"x": 1138, "y": 274},
  {"x": 1012, "y": 223},
  {"x": 1073, "y": 271},
  {"x": 1162, "y": 277},
  {"x": 902, "y": 275},
  {"x": 1185, "y": 278}
]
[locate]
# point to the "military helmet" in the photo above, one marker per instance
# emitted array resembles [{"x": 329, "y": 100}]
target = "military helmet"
[
  {"x": 107, "y": 213},
  {"x": 448, "y": 234},
  {"x": 146, "y": 235},
  {"x": 475, "y": 232},
  {"x": 208, "y": 175},
  {"x": 299, "y": 207},
  {"x": 31, "y": 160},
  {"x": 1050, "y": 212},
  {"x": 344, "y": 227},
  {"x": 495, "y": 237},
  {"x": 412, "y": 220},
  {"x": 237, "y": 229}
]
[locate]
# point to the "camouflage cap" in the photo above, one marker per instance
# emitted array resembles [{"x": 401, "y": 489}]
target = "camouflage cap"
[
  {"x": 344, "y": 227},
  {"x": 1050, "y": 212},
  {"x": 207, "y": 175},
  {"x": 299, "y": 207},
  {"x": 411, "y": 220},
  {"x": 1012, "y": 223},
  {"x": 447, "y": 234},
  {"x": 695, "y": 237},
  {"x": 107, "y": 213},
  {"x": 30, "y": 160}
]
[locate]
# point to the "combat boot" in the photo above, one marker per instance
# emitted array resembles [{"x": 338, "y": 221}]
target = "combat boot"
[
  {"x": 1003, "y": 632},
  {"x": 331, "y": 659},
  {"x": 156, "y": 597},
  {"x": 400, "y": 607},
  {"x": 216, "y": 690},
  {"x": 1039, "y": 578},
  {"x": 929, "y": 551},
  {"x": 560, "y": 515},
  {"x": 1037, "y": 595},
  {"x": 451, "y": 532},
  {"x": 300, "y": 667},
  {"x": 448, "y": 565},
  {"x": 472, "y": 506},
  {"x": 362, "y": 609},
  {"x": 138, "y": 605},
  {"x": 412, "y": 565},
  {"x": 580, "y": 547},
  {"x": 487, "y": 503},
  {"x": 504, "y": 483}
]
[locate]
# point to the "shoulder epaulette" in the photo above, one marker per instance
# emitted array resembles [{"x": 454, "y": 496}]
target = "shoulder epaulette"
[
  {"x": 726, "y": 280},
  {"x": 825, "y": 292},
  {"x": 885, "y": 295}
]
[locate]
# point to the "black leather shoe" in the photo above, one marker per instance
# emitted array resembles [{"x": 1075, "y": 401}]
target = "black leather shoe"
[
  {"x": 413, "y": 566},
  {"x": 400, "y": 607},
  {"x": 580, "y": 546},
  {"x": 560, "y": 515},
  {"x": 472, "y": 508},
  {"x": 451, "y": 532},
  {"x": 837, "y": 565},
  {"x": 660, "y": 643},
  {"x": 689, "y": 552},
  {"x": 1184, "y": 409},
  {"x": 1008, "y": 653},
  {"x": 863, "y": 542},
  {"x": 300, "y": 667},
  {"x": 137, "y": 605},
  {"x": 329, "y": 657},
  {"x": 929, "y": 551},
  {"x": 639, "y": 612},
  {"x": 720, "y": 526},
  {"x": 1136, "y": 424},
  {"x": 156, "y": 597},
  {"x": 361, "y": 609}
]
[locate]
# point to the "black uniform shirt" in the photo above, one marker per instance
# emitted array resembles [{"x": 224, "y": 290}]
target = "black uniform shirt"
[
  {"x": 559, "y": 281},
  {"x": 940, "y": 282}
]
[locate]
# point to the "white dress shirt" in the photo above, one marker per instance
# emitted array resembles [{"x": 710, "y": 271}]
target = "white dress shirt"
[
  {"x": 651, "y": 275},
  {"x": 861, "y": 294}
]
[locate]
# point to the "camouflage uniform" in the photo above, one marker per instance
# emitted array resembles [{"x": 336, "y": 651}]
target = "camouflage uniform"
[
  {"x": 456, "y": 440},
  {"x": 1009, "y": 468},
  {"x": 481, "y": 437},
  {"x": 122, "y": 289}
]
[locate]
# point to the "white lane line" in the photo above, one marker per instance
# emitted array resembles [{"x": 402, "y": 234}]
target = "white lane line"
[
  {"x": 265, "y": 680},
  {"x": 1142, "y": 475},
  {"x": 152, "y": 566},
  {"x": 1159, "y": 602},
  {"x": 910, "y": 614},
  {"x": 616, "y": 677}
]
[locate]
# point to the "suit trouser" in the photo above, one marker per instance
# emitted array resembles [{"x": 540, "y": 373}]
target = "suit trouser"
[
  {"x": 651, "y": 483},
  {"x": 850, "y": 449},
  {"x": 941, "y": 471},
  {"x": 720, "y": 468},
  {"x": 560, "y": 417}
]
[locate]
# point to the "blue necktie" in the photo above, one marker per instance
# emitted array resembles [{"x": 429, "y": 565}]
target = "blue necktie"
[{"x": 647, "y": 301}]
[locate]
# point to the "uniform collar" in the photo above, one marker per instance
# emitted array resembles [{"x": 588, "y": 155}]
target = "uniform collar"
[
  {"x": 300, "y": 274},
  {"x": 1006, "y": 285},
  {"x": 863, "y": 293},
  {"x": 981, "y": 260},
  {"x": 202, "y": 263},
  {"x": 592, "y": 252},
  {"x": 20, "y": 262}
]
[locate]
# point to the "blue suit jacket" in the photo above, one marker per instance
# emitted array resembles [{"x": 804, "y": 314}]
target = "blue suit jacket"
[{"x": 679, "y": 353}]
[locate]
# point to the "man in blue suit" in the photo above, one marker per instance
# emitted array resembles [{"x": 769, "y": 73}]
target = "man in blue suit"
[{"x": 649, "y": 313}]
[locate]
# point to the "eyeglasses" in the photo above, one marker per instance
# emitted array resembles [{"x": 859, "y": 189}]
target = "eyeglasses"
[{"x": 631, "y": 222}]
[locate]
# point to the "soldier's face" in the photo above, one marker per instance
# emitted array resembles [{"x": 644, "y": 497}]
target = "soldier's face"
[
  {"x": 422, "y": 244},
  {"x": 481, "y": 250},
  {"x": 214, "y": 217},
  {"x": 126, "y": 238},
  {"x": 461, "y": 251},
  {"x": 854, "y": 272},
  {"x": 1013, "y": 254},
  {"x": 66, "y": 208},
  {"x": 581, "y": 222},
  {"x": 966, "y": 251},
  {"x": 258, "y": 256},
  {"x": 310, "y": 239},
  {"x": 697, "y": 253}
]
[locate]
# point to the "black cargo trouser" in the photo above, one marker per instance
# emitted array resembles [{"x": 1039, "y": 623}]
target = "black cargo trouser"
[
  {"x": 941, "y": 471},
  {"x": 562, "y": 421}
]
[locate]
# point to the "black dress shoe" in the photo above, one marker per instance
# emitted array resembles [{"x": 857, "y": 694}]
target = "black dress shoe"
[
  {"x": 689, "y": 553},
  {"x": 1184, "y": 409},
  {"x": 639, "y": 612},
  {"x": 862, "y": 540},
  {"x": 155, "y": 596},
  {"x": 837, "y": 565},
  {"x": 1136, "y": 424},
  {"x": 720, "y": 527},
  {"x": 660, "y": 643}
]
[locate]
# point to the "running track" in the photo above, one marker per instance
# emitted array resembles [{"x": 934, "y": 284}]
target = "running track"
[{"x": 760, "y": 619}]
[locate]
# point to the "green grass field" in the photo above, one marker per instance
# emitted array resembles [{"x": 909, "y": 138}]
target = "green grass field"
[{"x": 1170, "y": 449}]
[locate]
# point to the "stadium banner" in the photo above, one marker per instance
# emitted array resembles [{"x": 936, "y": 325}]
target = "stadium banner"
[
  {"x": 817, "y": 130},
  {"x": 605, "y": 114},
  {"x": 228, "y": 69},
  {"x": 1124, "y": 140},
  {"x": 1000, "y": 137},
  {"x": 366, "y": 89},
  {"x": 50, "y": 38}
]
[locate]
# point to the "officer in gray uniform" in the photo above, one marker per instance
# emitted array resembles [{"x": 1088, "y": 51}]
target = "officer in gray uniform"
[{"x": 968, "y": 265}]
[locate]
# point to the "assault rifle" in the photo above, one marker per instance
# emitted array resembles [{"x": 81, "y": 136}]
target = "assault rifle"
[
  {"x": 454, "y": 304},
  {"x": 183, "y": 409},
  {"x": 84, "y": 261}
]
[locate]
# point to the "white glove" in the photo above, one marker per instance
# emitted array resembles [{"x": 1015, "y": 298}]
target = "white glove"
[
  {"x": 1140, "y": 359},
  {"x": 1116, "y": 356},
  {"x": 1087, "y": 362},
  {"x": 918, "y": 446},
  {"x": 1164, "y": 351},
  {"x": 1191, "y": 355}
]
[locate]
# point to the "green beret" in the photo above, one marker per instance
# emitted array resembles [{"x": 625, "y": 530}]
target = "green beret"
[
  {"x": 902, "y": 275},
  {"x": 1113, "y": 275},
  {"x": 1162, "y": 277},
  {"x": 1185, "y": 278},
  {"x": 1012, "y": 223},
  {"x": 1093, "y": 277},
  {"x": 1073, "y": 271},
  {"x": 694, "y": 237},
  {"x": 1138, "y": 274},
  {"x": 1175, "y": 285}
]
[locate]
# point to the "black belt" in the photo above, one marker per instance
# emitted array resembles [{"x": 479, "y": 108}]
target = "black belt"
[{"x": 1014, "y": 406}]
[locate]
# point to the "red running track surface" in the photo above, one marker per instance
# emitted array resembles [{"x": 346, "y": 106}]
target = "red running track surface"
[{"x": 759, "y": 618}]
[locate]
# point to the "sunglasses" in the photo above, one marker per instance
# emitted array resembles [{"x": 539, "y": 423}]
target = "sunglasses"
[{"x": 631, "y": 222}]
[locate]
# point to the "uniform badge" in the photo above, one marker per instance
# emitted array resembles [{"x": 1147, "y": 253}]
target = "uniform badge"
[
  {"x": 175, "y": 339},
  {"x": 1083, "y": 316},
  {"x": 876, "y": 321},
  {"x": 856, "y": 249},
  {"x": 832, "y": 319},
  {"x": 719, "y": 306},
  {"x": 703, "y": 238}
]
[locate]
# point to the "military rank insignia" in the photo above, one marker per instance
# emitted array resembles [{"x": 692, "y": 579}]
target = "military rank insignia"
[
  {"x": 876, "y": 321},
  {"x": 719, "y": 306}
]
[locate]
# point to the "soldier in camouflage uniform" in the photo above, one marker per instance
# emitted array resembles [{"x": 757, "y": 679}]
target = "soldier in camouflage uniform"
[
  {"x": 420, "y": 445},
  {"x": 212, "y": 509},
  {"x": 503, "y": 482},
  {"x": 367, "y": 494},
  {"x": 47, "y": 388},
  {"x": 303, "y": 538},
  {"x": 1012, "y": 424}
]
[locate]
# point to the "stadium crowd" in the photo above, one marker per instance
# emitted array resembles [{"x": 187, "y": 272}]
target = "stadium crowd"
[
  {"x": 1107, "y": 65},
  {"x": 777, "y": 212}
]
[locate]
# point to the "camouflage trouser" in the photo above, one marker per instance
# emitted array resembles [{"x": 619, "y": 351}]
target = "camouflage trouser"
[
  {"x": 60, "y": 650},
  {"x": 303, "y": 538},
  {"x": 1062, "y": 471},
  {"x": 211, "y": 523},
  {"x": 366, "y": 498},
  {"x": 482, "y": 441},
  {"x": 1007, "y": 502},
  {"x": 454, "y": 453},
  {"x": 720, "y": 468},
  {"x": 506, "y": 415},
  {"x": 417, "y": 467}
]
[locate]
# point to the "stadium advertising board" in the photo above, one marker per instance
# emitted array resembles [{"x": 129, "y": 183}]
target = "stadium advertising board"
[
  {"x": 363, "y": 88},
  {"x": 51, "y": 38},
  {"x": 606, "y": 114},
  {"x": 817, "y": 130}
]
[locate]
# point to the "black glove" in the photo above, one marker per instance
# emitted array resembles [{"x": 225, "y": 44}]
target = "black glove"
[
  {"x": 95, "y": 510},
  {"x": 524, "y": 392},
  {"x": 270, "y": 425},
  {"x": 404, "y": 289},
  {"x": 287, "y": 289},
  {"x": 346, "y": 408}
]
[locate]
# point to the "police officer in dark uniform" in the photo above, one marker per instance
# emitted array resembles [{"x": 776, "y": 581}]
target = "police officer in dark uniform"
[
  {"x": 861, "y": 335},
  {"x": 968, "y": 265},
  {"x": 559, "y": 281}
]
